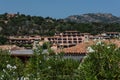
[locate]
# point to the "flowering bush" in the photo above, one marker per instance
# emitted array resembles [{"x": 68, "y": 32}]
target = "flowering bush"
[
  {"x": 10, "y": 68},
  {"x": 41, "y": 66},
  {"x": 50, "y": 66},
  {"x": 101, "y": 64}
]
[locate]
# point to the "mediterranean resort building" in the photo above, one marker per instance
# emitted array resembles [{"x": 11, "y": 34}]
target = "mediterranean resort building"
[{"x": 68, "y": 39}]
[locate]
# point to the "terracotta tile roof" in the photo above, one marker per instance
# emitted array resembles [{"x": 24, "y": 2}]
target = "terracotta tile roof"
[
  {"x": 72, "y": 31},
  {"x": 78, "y": 49},
  {"x": 10, "y": 47},
  {"x": 82, "y": 47},
  {"x": 112, "y": 32},
  {"x": 115, "y": 41},
  {"x": 85, "y": 33}
]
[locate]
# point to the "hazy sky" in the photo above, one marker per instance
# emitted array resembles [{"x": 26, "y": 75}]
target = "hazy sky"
[{"x": 60, "y": 8}]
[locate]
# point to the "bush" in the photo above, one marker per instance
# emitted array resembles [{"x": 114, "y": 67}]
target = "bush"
[
  {"x": 10, "y": 68},
  {"x": 102, "y": 64},
  {"x": 46, "y": 45},
  {"x": 3, "y": 40},
  {"x": 45, "y": 66}
]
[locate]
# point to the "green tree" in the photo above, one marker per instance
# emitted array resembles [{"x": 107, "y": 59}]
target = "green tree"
[
  {"x": 3, "y": 40},
  {"x": 46, "y": 45},
  {"x": 50, "y": 66},
  {"x": 103, "y": 63}
]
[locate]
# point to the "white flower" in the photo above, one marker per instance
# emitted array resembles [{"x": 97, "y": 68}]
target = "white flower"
[
  {"x": 49, "y": 67},
  {"x": 14, "y": 67},
  {"x": 37, "y": 73},
  {"x": 9, "y": 51},
  {"x": 4, "y": 70},
  {"x": 26, "y": 78},
  {"x": 102, "y": 45},
  {"x": 56, "y": 53},
  {"x": 108, "y": 47},
  {"x": 9, "y": 66},
  {"x": 2, "y": 75},
  {"x": 94, "y": 40},
  {"x": 22, "y": 78},
  {"x": 98, "y": 43},
  {"x": 40, "y": 61},
  {"x": 47, "y": 58},
  {"x": 13, "y": 72},
  {"x": 89, "y": 49}
]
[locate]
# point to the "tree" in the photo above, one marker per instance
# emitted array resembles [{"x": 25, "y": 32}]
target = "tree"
[
  {"x": 101, "y": 64},
  {"x": 3, "y": 40},
  {"x": 50, "y": 66},
  {"x": 46, "y": 45}
]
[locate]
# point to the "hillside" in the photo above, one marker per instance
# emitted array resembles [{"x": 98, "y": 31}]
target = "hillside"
[
  {"x": 21, "y": 24},
  {"x": 94, "y": 17}
]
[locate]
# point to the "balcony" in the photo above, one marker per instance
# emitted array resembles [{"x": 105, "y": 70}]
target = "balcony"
[{"x": 74, "y": 38}]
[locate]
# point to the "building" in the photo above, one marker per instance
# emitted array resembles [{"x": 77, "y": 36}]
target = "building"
[
  {"x": 68, "y": 38},
  {"x": 99, "y": 37},
  {"x": 23, "y": 39},
  {"x": 111, "y": 34},
  {"x": 77, "y": 52}
]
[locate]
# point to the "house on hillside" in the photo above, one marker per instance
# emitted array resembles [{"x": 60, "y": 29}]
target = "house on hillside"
[
  {"x": 111, "y": 34},
  {"x": 23, "y": 40},
  {"x": 68, "y": 38}
]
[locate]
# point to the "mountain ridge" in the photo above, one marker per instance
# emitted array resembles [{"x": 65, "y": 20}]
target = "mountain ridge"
[{"x": 93, "y": 17}]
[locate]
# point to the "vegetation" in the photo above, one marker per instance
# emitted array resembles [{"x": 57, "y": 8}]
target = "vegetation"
[
  {"x": 10, "y": 68},
  {"x": 46, "y": 45},
  {"x": 101, "y": 64},
  {"x": 41, "y": 66},
  {"x": 21, "y": 24},
  {"x": 3, "y": 40},
  {"x": 27, "y": 46}
]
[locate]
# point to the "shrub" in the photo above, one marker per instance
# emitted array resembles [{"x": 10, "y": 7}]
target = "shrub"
[{"x": 102, "y": 64}]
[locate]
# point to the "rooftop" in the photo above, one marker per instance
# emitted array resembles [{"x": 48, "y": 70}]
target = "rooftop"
[
  {"x": 81, "y": 48},
  {"x": 71, "y": 31}
]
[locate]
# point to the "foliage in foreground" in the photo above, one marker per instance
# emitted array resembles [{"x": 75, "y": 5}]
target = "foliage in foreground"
[
  {"x": 47, "y": 66},
  {"x": 101, "y": 64},
  {"x": 10, "y": 68},
  {"x": 41, "y": 66},
  {"x": 3, "y": 40}
]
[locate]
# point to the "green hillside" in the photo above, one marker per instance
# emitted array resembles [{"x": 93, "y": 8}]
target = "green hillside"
[{"x": 21, "y": 24}]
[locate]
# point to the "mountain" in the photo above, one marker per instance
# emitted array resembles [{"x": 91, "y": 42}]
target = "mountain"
[
  {"x": 94, "y": 17},
  {"x": 21, "y": 24}
]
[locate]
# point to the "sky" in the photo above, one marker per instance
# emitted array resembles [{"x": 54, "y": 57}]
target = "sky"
[{"x": 59, "y": 8}]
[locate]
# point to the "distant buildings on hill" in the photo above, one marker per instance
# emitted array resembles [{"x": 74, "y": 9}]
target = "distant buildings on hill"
[
  {"x": 63, "y": 40},
  {"x": 68, "y": 39},
  {"x": 73, "y": 43}
]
